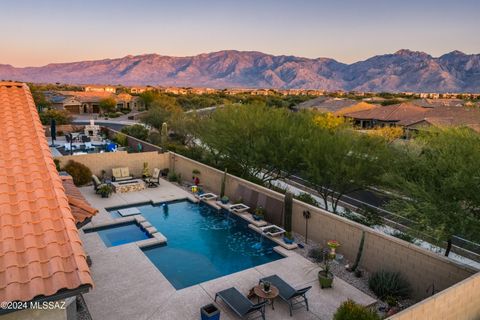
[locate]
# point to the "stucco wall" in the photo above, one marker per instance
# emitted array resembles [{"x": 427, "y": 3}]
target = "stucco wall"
[
  {"x": 459, "y": 302},
  {"x": 422, "y": 268},
  {"x": 106, "y": 161}
]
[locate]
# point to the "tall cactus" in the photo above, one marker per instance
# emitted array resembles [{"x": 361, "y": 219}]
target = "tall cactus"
[
  {"x": 164, "y": 134},
  {"x": 224, "y": 180},
  {"x": 288, "y": 207},
  {"x": 359, "y": 253}
]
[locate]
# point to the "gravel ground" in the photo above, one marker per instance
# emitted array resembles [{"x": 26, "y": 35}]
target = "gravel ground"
[{"x": 339, "y": 270}]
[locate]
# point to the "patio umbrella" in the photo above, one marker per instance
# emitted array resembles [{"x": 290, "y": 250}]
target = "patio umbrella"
[{"x": 53, "y": 131}]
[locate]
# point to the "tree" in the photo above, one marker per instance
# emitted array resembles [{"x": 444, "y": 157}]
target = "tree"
[
  {"x": 108, "y": 105},
  {"x": 60, "y": 116},
  {"x": 160, "y": 111},
  {"x": 254, "y": 141},
  {"x": 341, "y": 162},
  {"x": 329, "y": 121},
  {"x": 439, "y": 180},
  {"x": 137, "y": 131}
]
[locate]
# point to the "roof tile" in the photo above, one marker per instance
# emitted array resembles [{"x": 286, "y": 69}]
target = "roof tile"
[{"x": 40, "y": 248}]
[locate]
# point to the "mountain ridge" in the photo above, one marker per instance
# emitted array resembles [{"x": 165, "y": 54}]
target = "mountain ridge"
[{"x": 404, "y": 70}]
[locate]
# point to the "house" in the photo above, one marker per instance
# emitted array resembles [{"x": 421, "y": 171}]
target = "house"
[
  {"x": 97, "y": 88},
  {"x": 138, "y": 90},
  {"x": 42, "y": 258},
  {"x": 80, "y": 102},
  {"x": 392, "y": 115}
]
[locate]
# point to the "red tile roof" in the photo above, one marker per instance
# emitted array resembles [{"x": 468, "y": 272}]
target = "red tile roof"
[
  {"x": 40, "y": 248},
  {"x": 81, "y": 209}
]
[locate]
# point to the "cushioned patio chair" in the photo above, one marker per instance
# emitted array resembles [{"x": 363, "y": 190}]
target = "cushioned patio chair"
[
  {"x": 97, "y": 184},
  {"x": 154, "y": 180},
  {"x": 240, "y": 304},
  {"x": 287, "y": 293}
]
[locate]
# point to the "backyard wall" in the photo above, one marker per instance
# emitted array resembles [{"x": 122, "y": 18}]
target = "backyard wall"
[
  {"x": 422, "y": 268},
  {"x": 106, "y": 161},
  {"x": 461, "y": 301},
  {"x": 132, "y": 141}
]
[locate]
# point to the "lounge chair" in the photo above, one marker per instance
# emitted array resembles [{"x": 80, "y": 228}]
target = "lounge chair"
[
  {"x": 240, "y": 304},
  {"x": 287, "y": 293},
  {"x": 121, "y": 174},
  {"x": 154, "y": 180},
  {"x": 97, "y": 184}
]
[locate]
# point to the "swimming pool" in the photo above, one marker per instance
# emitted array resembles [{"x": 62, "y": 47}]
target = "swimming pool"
[
  {"x": 119, "y": 234},
  {"x": 203, "y": 243}
]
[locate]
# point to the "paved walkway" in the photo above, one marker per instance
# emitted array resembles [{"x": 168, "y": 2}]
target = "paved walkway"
[{"x": 129, "y": 286}]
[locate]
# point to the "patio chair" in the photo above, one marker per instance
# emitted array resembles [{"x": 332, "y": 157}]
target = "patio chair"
[
  {"x": 240, "y": 304},
  {"x": 97, "y": 184},
  {"x": 85, "y": 139},
  {"x": 154, "y": 180},
  {"x": 287, "y": 293},
  {"x": 121, "y": 174}
]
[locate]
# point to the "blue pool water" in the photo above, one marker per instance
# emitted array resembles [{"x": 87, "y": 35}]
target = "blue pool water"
[
  {"x": 121, "y": 234},
  {"x": 203, "y": 243}
]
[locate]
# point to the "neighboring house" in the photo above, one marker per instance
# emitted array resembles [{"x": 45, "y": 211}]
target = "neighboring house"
[
  {"x": 138, "y": 90},
  {"x": 80, "y": 102},
  {"x": 392, "y": 115},
  {"x": 413, "y": 117},
  {"x": 97, "y": 88},
  {"x": 41, "y": 255},
  {"x": 326, "y": 104}
]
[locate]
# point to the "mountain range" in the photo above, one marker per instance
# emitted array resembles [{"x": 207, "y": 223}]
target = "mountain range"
[{"x": 403, "y": 70}]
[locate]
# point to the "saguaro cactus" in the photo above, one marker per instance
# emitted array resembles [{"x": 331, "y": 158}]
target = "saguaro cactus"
[
  {"x": 224, "y": 180},
  {"x": 164, "y": 134},
  {"x": 288, "y": 207}
]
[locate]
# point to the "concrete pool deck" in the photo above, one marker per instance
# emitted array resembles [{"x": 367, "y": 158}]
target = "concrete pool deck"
[{"x": 129, "y": 286}]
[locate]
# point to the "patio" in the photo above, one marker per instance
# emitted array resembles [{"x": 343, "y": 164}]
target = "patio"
[{"x": 129, "y": 286}]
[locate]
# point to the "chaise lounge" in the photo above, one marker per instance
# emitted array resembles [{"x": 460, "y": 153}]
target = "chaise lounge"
[
  {"x": 121, "y": 174},
  {"x": 287, "y": 293},
  {"x": 240, "y": 304}
]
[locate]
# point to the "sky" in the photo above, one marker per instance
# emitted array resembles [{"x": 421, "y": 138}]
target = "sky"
[{"x": 38, "y": 32}]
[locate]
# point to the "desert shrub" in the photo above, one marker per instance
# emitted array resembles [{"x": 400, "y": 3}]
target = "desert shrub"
[
  {"x": 404, "y": 236},
  {"x": 384, "y": 283},
  {"x": 307, "y": 198},
  {"x": 80, "y": 173},
  {"x": 60, "y": 116},
  {"x": 317, "y": 254},
  {"x": 137, "y": 131},
  {"x": 349, "y": 310},
  {"x": 364, "y": 216},
  {"x": 57, "y": 164},
  {"x": 121, "y": 139},
  {"x": 174, "y": 177}
]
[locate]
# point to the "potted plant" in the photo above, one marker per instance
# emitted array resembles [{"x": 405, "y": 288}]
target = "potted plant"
[
  {"x": 210, "y": 312},
  {"x": 288, "y": 238},
  {"x": 266, "y": 286},
  {"x": 392, "y": 305},
  {"x": 325, "y": 276},
  {"x": 195, "y": 173},
  {"x": 333, "y": 245},
  {"x": 145, "y": 171},
  {"x": 259, "y": 213},
  {"x": 225, "y": 199},
  {"x": 105, "y": 190}
]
